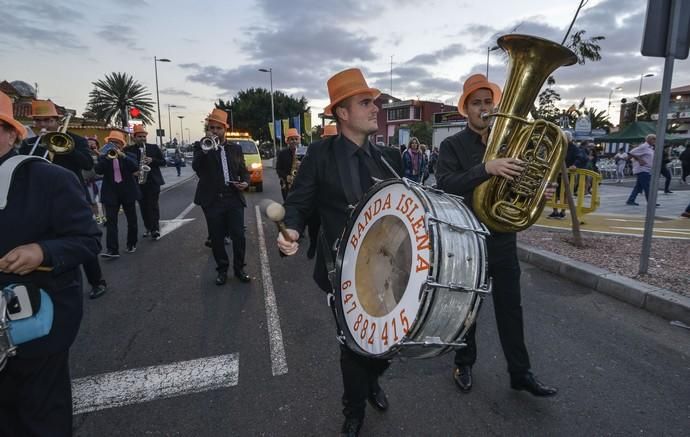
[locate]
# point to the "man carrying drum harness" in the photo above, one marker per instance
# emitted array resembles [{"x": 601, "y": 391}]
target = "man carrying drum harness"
[{"x": 334, "y": 175}]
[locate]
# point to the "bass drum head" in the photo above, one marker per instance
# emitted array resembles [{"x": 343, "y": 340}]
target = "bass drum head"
[{"x": 383, "y": 262}]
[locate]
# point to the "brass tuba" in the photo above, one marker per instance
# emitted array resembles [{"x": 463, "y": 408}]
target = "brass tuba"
[{"x": 511, "y": 206}]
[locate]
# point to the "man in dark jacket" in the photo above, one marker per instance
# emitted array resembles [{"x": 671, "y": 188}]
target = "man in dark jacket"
[
  {"x": 333, "y": 175},
  {"x": 223, "y": 176},
  {"x": 46, "y": 119},
  {"x": 119, "y": 189},
  {"x": 459, "y": 171},
  {"x": 151, "y": 188},
  {"x": 287, "y": 159},
  {"x": 35, "y": 388}
]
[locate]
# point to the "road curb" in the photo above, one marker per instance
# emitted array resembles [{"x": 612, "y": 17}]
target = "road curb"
[{"x": 658, "y": 301}]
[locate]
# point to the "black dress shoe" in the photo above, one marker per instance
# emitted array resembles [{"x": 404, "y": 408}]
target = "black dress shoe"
[
  {"x": 463, "y": 378},
  {"x": 221, "y": 278},
  {"x": 378, "y": 399},
  {"x": 529, "y": 383},
  {"x": 351, "y": 427},
  {"x": 242, "y": 276}
]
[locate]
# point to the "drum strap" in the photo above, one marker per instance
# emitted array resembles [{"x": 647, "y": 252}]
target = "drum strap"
[
  {"x": 7, "y": 171},
  {"x": 330, "y": 268}
]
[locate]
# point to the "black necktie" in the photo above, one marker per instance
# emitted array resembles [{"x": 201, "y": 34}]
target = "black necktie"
[{"x": 364, "y": 174}]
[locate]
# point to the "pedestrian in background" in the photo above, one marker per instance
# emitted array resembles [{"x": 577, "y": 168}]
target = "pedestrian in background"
[
  {"x": 643, "y": 157},
  {"x": 620, "y": 159}
]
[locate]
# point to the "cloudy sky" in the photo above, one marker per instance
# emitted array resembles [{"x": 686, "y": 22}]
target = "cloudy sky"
[{"x": 217, "y": 47}]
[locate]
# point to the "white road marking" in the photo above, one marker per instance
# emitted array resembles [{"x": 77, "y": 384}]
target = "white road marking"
[
  {"x": 627, "y": 234},
  {"x": 126, "y": 387},
  {"x": 278, "y": 359},
  {"x": 167, "y": 226}
]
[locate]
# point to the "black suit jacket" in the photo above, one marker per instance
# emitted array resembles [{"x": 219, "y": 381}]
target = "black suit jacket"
[
  {"x": 46, "y": 205},
  {"x": 323, "y": 185},
  {"x": 155, "y": 178},
  {"x": 80, "y": 158},
  {"x": 284, "y": 163},
  {"x": 209, "y": 169},
  {"x": 126, "y": 191}
]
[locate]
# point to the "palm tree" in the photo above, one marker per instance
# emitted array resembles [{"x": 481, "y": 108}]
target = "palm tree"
[{"x": 113, "y": 97}]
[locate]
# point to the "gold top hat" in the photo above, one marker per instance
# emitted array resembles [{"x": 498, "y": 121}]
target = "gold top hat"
[
  {"x": 139, "y": 129},
  {"x": 116, "y": 135},
  {"x": 219, "y": 116},
  {"x": 474, "y": 83},
  {"x": 43, "y": 108},
  {"x": 7, "y": 115},
  {"x": 346, "y": 84},
  {"x": 330, "y": 130},
  {"x": 292, "y": 132}
]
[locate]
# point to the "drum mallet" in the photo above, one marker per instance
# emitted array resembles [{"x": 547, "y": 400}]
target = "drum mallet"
[{"x": 275, "y": 212}]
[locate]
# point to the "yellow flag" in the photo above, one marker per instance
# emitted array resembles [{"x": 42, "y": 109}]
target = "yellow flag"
[
  {"x": 307, "y": 122},
  {"x": 270, "y": 129},
  {"x": 286, "y": 126}
]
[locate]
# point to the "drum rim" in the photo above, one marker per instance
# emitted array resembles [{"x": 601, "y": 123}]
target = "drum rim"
[{"x": 350, "y": 342}]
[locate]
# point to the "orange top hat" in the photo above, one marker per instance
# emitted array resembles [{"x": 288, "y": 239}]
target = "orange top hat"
[
  {"x": 43, "y": 108},
  {"x": 474, "y": 83},
  {"x": 346, "y": 84},
  {"x": 330, "y": 130},
  {"x": 7, "y": 115},
  {"x": 219, "y": 116},
  {"x": 117, "y": 136},
  {"x": 292, "y": 132},
  {"x": 139, "y": 129}
]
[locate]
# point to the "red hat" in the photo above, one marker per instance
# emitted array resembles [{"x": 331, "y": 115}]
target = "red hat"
[
  {"x": 330, "y": 130},
  {"x": 474, "y": 83},
  {"x": 43, "y": 109},
  {"x": 139, "y": 129},
  {"x": 7, "y": 115},
  {"x": 219, "y": 116},
  {"x": 116, "y": 135},
  {"x": 346, "y": 84}
]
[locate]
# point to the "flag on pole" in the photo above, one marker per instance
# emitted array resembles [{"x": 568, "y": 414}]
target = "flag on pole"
[
  {"x": 307, "y": 121},
  {"x": 296, "y": 124},
  {"x": 278, "y": 131},
  {"x": 286, "y": 124},
  {"x": 271, "y": 130}
]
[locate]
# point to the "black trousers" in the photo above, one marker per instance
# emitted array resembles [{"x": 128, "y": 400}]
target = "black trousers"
[
  {"x": 92, "y": 270},
  {"x": 360, "y": 377},
  {"x": 667, "y": 175},
  {"x": 36, "y": 397},
  {"x": 148, "y": 205},
  {"x": 225, "y": 217},
  {"x": 508, "y": 310},
  {"x": 313, "y": 226},
  {"x": 111, "y": 213}
]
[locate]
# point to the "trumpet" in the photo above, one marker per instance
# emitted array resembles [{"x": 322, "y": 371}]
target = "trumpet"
[
  {"x": 55, "y": 143},
  {"x": 111, "y": 151},
  {"x": 209, "y": 143}
]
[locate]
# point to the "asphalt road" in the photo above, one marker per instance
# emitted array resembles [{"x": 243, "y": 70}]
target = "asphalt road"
[{"x": 620, "y": 370}]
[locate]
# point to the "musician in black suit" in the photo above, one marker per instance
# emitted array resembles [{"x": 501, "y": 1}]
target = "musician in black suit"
[
  {"x": 334, "y": 174},
  {"x": 120, "y": 188},
  {"x": 223, "y": 176},
  {"x": 460, "y": 169},
  {"x": 286, "y": 159},
  {"x": 47, "y": 223},
  {"x": 151, "y": 189},
  {"x": 46, "y": 119}
]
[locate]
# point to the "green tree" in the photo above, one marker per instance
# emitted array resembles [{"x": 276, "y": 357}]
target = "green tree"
[
  {"x": 423, "y": 131},
  {"x": 113, "y": 97},
  {"x": 599, "y": 119},
  {"x": 547, "y": 109},
  {"x": 251, "y": 110},
  {"x": 585, "y": 49}
]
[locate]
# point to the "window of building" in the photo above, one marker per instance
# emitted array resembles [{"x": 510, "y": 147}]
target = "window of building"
[{"x": 399, "y": 114}]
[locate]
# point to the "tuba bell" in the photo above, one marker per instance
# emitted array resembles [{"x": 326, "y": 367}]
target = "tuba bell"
[
  {"x": 55, "y": 143},
  {"x": 511, "y": 206}
]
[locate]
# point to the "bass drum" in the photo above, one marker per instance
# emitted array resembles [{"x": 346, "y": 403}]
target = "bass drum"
[{"x": 411, "y": 268}]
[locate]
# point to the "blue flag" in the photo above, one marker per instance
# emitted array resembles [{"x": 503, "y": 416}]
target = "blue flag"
[
  {"x": 296, "y": 124},
  {"x": 279, "y": 132}
]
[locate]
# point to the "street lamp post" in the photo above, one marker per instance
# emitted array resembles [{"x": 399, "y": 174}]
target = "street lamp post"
[
  {"x": 189, "y": 135},
  {"x": 170, "y": 122},
  {"x": 181, "y": 130},
  {"x": 639, "y": 92},
  {"x": 158, "y": 99},
  {"x": 489, "y": 50},
  {"x": 608, "y": 108},
  {"x": 273, "y": 113}
]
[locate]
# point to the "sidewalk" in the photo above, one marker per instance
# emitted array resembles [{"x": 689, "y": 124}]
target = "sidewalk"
[{"x": 171, "y": 179}]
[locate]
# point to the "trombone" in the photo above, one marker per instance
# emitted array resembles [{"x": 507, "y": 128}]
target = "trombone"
[
  {"x": 55, "y": 143},
  {"x": 209, "y": 143}
]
